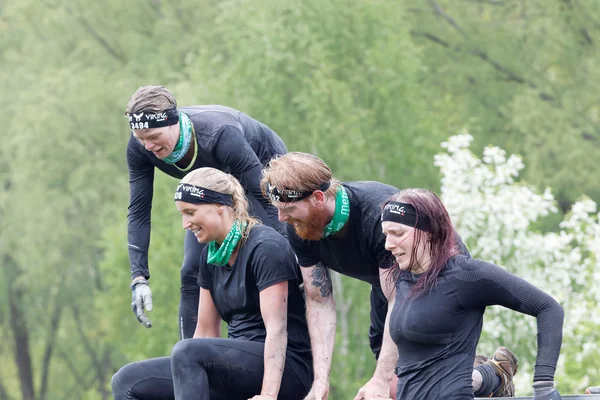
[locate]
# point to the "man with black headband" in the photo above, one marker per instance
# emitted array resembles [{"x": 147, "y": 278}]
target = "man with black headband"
[
  {"x": 176, "y": 141},
  {"x": 337, "y": 226}
]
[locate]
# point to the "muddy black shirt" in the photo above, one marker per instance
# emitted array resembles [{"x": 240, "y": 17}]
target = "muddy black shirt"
[
  {"x": 265, "y": 259},
  {"x": 228, "y": 140},
  {"x": 437, "y": 333},
  {"x": 358, "y": 250}
]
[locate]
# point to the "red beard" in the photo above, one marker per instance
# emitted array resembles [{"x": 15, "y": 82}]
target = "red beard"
[{"x": 312, "y": 228}]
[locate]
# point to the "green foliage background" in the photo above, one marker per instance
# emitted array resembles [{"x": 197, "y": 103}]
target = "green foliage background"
[{"x": 372, "y": 87}]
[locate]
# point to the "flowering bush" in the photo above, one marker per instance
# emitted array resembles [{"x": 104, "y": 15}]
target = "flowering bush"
[{"x": 494, "y": 213}]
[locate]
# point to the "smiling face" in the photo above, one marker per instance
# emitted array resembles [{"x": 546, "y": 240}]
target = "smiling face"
[
  {"x": 206, "y": 221},
  {"x": 160, "y": 141},
  {"x": 400, "y": 241},
  {"x": 308, "y": 219}
]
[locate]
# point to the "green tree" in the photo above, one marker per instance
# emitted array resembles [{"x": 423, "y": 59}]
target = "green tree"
[{"x": 370, "y": 87}]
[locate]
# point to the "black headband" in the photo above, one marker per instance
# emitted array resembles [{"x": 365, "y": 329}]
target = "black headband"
[
  {"x": 199, "y": 195},
  {"x": 404, "y": 214},
  {"x": 290, "y": 196},
  {"x": 146, "y": 120}
]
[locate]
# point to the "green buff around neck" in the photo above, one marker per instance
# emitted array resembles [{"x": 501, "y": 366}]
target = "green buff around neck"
[
  {"x": 186, "y": 132},
  {"x": 219, "y": 255},
  {"x": 341, "y": 214}
]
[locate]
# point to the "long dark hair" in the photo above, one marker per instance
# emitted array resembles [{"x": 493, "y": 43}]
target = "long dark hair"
[{"x": 440, "y": 237}]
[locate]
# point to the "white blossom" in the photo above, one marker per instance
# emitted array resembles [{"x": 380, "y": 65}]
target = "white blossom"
[{"x": 495, "y": 213}]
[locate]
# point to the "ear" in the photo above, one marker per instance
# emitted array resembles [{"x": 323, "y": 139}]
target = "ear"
[
  {"x": 219, "y": 208},
  {"x": 318, "y": 198}
]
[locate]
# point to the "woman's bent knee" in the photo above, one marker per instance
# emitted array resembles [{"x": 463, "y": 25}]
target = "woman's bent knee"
[
  {"x": 192, "y": 353},
  {"x": 121, "y": 382},
  {"x": 181, "y": 348},
  {"x": 183, "y": 351},
  {"x": 144, "y": 379}
]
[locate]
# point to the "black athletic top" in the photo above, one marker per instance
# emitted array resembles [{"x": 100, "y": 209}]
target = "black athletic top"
[
  {"x": 264, "y": 260},
  {"x": 358, "y": 250},
  {"x": 226, "y": 139},
  {"x": 437, "y": 333}
]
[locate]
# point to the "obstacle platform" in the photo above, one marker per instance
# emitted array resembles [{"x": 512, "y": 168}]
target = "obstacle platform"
[{"x": 565, "y": 397}]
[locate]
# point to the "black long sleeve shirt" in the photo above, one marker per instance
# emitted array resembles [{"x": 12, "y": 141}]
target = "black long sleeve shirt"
[
  {"x": 228, "y": 140},
  {"x": 437, "y": 332}
]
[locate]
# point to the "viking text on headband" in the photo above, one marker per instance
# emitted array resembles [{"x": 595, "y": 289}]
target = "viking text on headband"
[
  {"x": 405, "y": 214},
  {"x": 149, "y": 120},
  {"x": 199, "y": 195}
]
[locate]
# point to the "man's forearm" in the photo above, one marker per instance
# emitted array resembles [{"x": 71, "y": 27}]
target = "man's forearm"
[
  {"x": 275, "y": 349},
  {"x": 322, "y": 320}
]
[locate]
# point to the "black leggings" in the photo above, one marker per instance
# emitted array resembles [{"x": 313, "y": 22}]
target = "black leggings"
[
  {"x": 209, "y": 368},
  {"x": 190, "y": 290}
]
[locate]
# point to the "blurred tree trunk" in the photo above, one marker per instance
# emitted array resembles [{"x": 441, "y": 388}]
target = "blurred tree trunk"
[
  {"x": 102, "y": 366},
  {"x": 3, "y": 392},
  {"x": 18, "y": 325},
  {"x": 50, "y": 344}
]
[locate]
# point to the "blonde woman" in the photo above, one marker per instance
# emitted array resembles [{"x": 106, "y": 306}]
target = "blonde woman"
[{"x": 248, "y": 278}]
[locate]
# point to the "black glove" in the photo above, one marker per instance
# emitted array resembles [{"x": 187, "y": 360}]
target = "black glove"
[
  {"x": 141, "y": 298},
  {"x": 544, "y": 390}
]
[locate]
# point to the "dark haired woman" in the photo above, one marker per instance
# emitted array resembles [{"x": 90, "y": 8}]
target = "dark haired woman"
[{"x": 440, "y": 300}]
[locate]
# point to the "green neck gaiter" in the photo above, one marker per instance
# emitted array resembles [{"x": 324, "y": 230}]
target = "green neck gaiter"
[
  {"x": 341, "y": 214},
  {"x": 185, "y": 140},
  {"x": 219, "y": 255}
]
